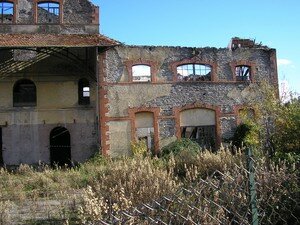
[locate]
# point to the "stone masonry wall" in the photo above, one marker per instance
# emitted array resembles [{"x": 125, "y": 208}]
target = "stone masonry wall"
[
  {"x": 166, "y": 94},
  {"x": 78, "y": 17}
]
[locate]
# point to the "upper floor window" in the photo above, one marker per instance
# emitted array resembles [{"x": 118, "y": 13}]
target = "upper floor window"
[
  {"x": 194, "y": 72},
  {"x": 6, "y": 12},
  {"x": 243, "y": 73},
  {"x": 48, "y": 12},
  {"x": 141, "y": 73},
  {"x": 83, "y": 92},
  {"x": 24, "y": 93}
]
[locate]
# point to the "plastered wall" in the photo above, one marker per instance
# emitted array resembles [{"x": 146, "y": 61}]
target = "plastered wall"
[{"x": 26, "y": 130}]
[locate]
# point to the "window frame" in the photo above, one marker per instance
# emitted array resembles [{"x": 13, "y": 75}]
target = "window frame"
[
  {"x": 60, "y": 16},
  {"x": 83, "y": 83},
  {"x": 212, "y": 65},
  {"x": 139, "y": 81},
  {"x": 156, "y": 111},
  {"x": 13, "y": 2},
  {"x": 194, "y": 69},
  {"x": 244, "y": 63},
  {"x": 16, "y": 96},
  {"x": 217, "y": 109},
  {"x": 153, "y": 70}
]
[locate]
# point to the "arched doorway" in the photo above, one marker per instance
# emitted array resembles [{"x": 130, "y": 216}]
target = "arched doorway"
[{"x": 60, "y": 147}]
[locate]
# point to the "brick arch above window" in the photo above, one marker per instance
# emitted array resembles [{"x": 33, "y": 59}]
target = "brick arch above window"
[
  {"x": 244, "y": 111},
  {"x": 197, "y": 105},
  {"x": 14, "y": 10},
  {"x": 155, "y": 111},
  {"x": 153, "y": 68},
  {"x": 59, "y": 2},
  {"x": 241, "y": 65},
  {"x": 212, "y": 65}
]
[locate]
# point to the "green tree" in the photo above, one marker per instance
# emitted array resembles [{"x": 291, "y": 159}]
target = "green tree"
[{"x": 279, "y": 124}]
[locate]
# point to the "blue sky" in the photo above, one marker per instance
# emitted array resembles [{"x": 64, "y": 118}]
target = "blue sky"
[{"x": 201, "y": 23}]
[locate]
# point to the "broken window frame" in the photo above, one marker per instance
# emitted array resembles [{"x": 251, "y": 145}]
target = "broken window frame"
[
  {"x": 6, "y": 6},
  {"x": 138, "y": 78},
  {"x": 194, "y": 72},
  {"x": 84, "y": 91},
  {"x": 24, "y": 93},
  {"x": 146, "y": 133},
  {"x": 205, "y": 136},
  {"x": 54, "y": 10},
  {"x": 243, "y": 73}
]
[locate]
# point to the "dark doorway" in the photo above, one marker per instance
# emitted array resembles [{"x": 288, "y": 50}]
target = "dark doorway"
[
  {"x": 1, "y": 150},
  {"x": 60, "y": 147}
]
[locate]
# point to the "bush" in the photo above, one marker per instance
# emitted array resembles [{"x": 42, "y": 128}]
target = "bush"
[{"x": 179, "y": 145}]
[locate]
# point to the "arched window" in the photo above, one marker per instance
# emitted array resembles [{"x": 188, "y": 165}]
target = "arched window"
[
  {"x": 199, "y": 125},
  {"x": 83, "y": 92},
  {"x": 243, "y": 73},
  {"x": 6, "y": 12},
  {"x": 141, "y": 73},
  {"x": 48, "y": 12},
  {"x": 194, "y": 72},
  {"x": 24, "y": 93}
]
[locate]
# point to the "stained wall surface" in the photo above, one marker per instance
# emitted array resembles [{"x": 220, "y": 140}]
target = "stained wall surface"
[
  {"x": 26, "y": 129},
  {"x": 223, "y": 94}
]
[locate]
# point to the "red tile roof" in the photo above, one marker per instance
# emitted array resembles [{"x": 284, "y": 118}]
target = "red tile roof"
[{"x": 55, "y": 40}]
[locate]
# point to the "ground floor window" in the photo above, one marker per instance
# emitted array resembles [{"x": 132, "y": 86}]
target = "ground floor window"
[
  {"x": 144, "y": 125},
  {"x": 199, "y": 125},
  {"x": 205, "y": 136}
]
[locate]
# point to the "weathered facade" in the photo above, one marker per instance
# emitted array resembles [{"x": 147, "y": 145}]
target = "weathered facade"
[
  {"x": 183, "y": 101},
  {"x": 67, "y": 91},
  {"x": 48, "y": 86}
]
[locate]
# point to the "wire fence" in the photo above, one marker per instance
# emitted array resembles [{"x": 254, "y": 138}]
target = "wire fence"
[
  {"x": 234, "y": 198},
  {"x": 249, "y": 193}
]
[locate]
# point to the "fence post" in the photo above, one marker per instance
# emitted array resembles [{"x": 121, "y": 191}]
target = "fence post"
[{"x": 252, "y": 187}]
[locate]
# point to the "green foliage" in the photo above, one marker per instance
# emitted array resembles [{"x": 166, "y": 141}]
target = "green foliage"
[
  {"x": 179, "y": 145},
  {"x": 246, "y": 134},
  {"x": 139, "y": 148},
  {"x": 278, "y": 124}
]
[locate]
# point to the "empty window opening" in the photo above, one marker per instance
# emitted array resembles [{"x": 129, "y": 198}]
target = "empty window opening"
[
  {"x": 83, "y": 92},
  {"x": 48, "y": 12},
  {"x": 199, "y": 125},
  {"x": 60, "y": 147},
  {"x": 6, "y": 12},
  {"x": 243, "y": 73},
  {"x": 24, "y": 93},
  {"x": 203, "y": 135},
  {"x": 145, "y": 128},
  {"x": 194, "y": 72},
  {"x": 141, "y": 73}
]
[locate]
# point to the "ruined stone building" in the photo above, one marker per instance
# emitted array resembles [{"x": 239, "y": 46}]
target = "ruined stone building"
[{"x": 67, "y": 92}]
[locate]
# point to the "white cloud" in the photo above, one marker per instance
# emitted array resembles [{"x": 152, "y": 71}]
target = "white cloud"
[{"x": 284, "y": 62}]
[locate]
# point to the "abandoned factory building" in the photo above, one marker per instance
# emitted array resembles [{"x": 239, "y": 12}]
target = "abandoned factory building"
[{"x": 67, "y": 92}]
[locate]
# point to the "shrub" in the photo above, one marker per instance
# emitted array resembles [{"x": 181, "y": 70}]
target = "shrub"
[
  {"x": 179, "y": 145},
  {"x": 139, "y": 148}
]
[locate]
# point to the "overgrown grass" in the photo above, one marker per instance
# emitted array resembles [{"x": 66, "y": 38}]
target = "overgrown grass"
[{"x": 102, "y": 183}]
